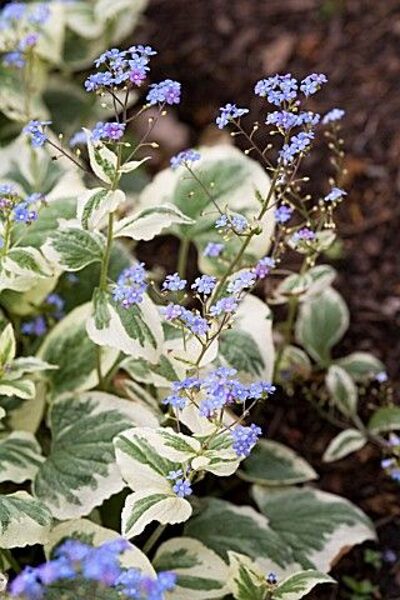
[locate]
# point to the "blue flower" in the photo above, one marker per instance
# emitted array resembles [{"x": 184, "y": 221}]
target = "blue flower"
[
  {"x": 168, "y": 92},
  {"x": 305, "y": 234},
  {"x": 283, "y": 213},
  {"x": 263, "y": 267},
  {"x": 272, "y": 579},
  {"x": 14, "y": 59},
  {"x": 174, "y": 283},
  {"x": 40, "y": 14},
  {"x": 13, "y": 11},
  {"x": 195, "y": 323},
  {"x": 335, "y": 195},
  {"x": 204, "y": 284},
  {"x": 227, "y": 305},
  {"x": 26, "y": 585},
  {"x": 175, "y": 474},
  {"x": 184, "y": 158},
  {"x": 242, "y": 281},
  {"x": 297, "y": 144},
  {"x": 78, "y": 139},
  {"x": 35, "y": 129},
  {"x": 336, "y": 114},
  {"x": 35, "y": 327},
  {"x": 172, "y": 311},
  {"x": 109, "y": 132},
  {"x": 182, "y": 488},
  {"x": 22, "y": 213},
  {"x": 381, "y": 377},
  {"x": 213, "y": 249},
  {"x": 245, "y": 438},
  {"x": 176, "y": 401},
  {"x": 131, "y": 286},
  {"x": 277, "y": 89},
  {"x": 312, "y": 83},
  {"x": 229, "y": 112}
]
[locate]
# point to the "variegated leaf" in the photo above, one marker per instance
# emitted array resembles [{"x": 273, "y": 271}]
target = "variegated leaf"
[
  {"x": 136, "y": 330},
  {"x": 342, "y": 390},
  {"x": 81, "y": 471},
  {"x": 316, "y": 526},
  {"x": 7, "y": 345},
  {"x": 24, "y": 521},
  {"x": 272, "y": 463},
  {"x": 202, "y": 574},
  {"x": 246, "y": 580},
  {"x": 145, "y": 224},
  {"x": 27, "y": 261},
  {"x": 102, "y": 160},
  {"x": 20, "y": 457},
  {"x": 72, "y": 249},
  {"x": 300, "y": 584},
  {"x": 69, "y": 347},
  {"x": 23, "y": 388},
  {"x": 361, "y": 366},
  {"x": 96, "y": 204},
  {"x": 385, "y": 419},
  {"x": 346, "y": 442}
]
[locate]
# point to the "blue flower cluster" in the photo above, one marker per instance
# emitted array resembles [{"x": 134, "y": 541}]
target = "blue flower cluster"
[
  {"x": 298, "y": 144},
  {"x": 34, "y": 17},
  {"x": 192, "y": 320},
  {"x": 287, "y": 120},
  {"x": 335, "y": 195},
  {"x": 108, "y": 132},
  {"x": 22, "y": 210},
  {"x": 75, "y": 560},
  {"x": 305, "y": 234},
  {"x": 219, "y": 388},
  {"x": 229, "y": 113},
  {"x": 185, "y": 158},
  {"x": 204, "y": 284},
  {"x": 237, "y": 223},
  {"x": 182, "y": 486},
  {"x": 213, "y": 249},
  {"x": 174, "y": 283},
  {"x": 122, "y": 67},
  {"x": 392, "y": 465},
  {"x": 53, "y": 307},
  {"x": 165, "y": 92},
  {"x": 131, "y": 286},
  {"x": 336, "y": 114},
  {"x": 36, "y": 130},
  {"x": 277, "y": 89},
  {"x": 245, "y": 438},
  {"x": 283, "y": 214}
]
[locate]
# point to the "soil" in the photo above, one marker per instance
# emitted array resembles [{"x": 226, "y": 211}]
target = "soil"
[{"x": 218, "y": 49}]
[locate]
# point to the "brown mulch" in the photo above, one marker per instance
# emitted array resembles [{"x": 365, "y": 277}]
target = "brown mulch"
[{"x": 218, "y": 49}]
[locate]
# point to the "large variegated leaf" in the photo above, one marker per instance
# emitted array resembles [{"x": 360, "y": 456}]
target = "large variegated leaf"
[
  {"x": 27, "y": 261},
  {"x": 294, "y": 364},
  {"x": 342, "y": 390},
  {"x": 224, "y": 527},
  {"x": 81, "y": 471},
  {"x": 316, "y": 526},
  {"x": 23, "y": 388},
  {"x": 20, "y": 457},
  {"x": 72, "y": 249},
  {"x": 271, "y": 463},
  {"x": 346, "y": 442},
  {"x": 361, "y": 366},
  {"x": 232, "y": 180},
  {"x": 91, "y": 533},
  {"x": 161, "y": 374},
  {"x": 24, "y": 520},
  {"x": 136, "y": 330},
  {"x": 248, "y": 346},
  {"x": 145, "y": 224},
  {"x": 246, "y": 580},
  {"x": 102, "y": 160},
  {"x": 7, "y": 345},
  {"x": 94, "y": 205},
  {"x": 385, "y": 419},
  {"x": 69, "y": 347},
  {"x": 300, "y": 584},
  {"x": 322, "y": 321},
  {"x": 202, "y": 574}
]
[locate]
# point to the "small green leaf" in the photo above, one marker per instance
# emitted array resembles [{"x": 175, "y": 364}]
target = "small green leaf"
[
  {"x": 145, "y": 224},
  {"x": 361, "y": 366},
  {"x": 385, "y": 419},
  {"x": 96, "y": 204},
  {"x": 346, "y": 442},
  {"x": 300, "y": 584},
  {"x": 102, "y": 160},
  {"x": 7, "y": 345},
  {"x": 246, "y": 580},
  {"x": 72, "y": 249}
]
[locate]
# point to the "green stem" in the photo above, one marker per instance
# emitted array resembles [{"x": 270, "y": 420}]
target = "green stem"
[
  {"x": 107, "y": 254},
  {"x": 11, "y": 560},
  {"x": 183, "y": 256},
  {"x": 153, "y": 539}
]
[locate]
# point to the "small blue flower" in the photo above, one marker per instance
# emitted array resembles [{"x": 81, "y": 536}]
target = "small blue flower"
[
  {"x": 22, "y": 213},
  {"x": 312, "y": 83},
  {"x": 229, "y": 112},
  {"x": 277, "y": 89},
  {"x": 182, "y": 488},
  {"x": 174, "y": 283},
  {"x": 272, "y": 579},
  {"x": 297, "y": 144},
  {"x": 213, "y": 249},
  {"x": 381, "y": 377},
  {"x": 283, "y": 213},
  {"x": 185, "y": 158},
  {"x": 336, "y": 114},
  {"x": 227, "y": 305},
  {"x": 195, "y": 323},
  {"x": 176, "y": 401},
  {"x": 305, "y": 234},
  {"x": 35, "y": 327},
  {"x": 242, "y": 281},
  {"x": 245, "y": 438},
  {"x": 131, "y": 286},
  {"x": 204, "y": 284},
  {"x": 168, "y": 92},
  {"x": 78, "y": 139},
  {"x": 172, "y": 311},
  {"x": 263, "y": 267},
  {"x": 35, "y": 129},
  {"x": 172, "y": 475},
  {"x": 335, "y": 195},
  {"x": 109, "y": 132},
  {"x": 14, "y": 59}
]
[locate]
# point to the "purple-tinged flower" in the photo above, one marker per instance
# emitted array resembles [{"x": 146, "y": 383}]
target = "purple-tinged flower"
[
  {"x": 54, "y": 570},
  {"x": 381, "y": 377},
  {"x": 336, "y": 114},
  {"x": 245, "y": 438},
  {"x": 78, "y": 139},
  {"x": 260, "y": 389},
  {"x": 277, "y": 89},
  {"x": 283, "y": 119},
  {"x": 297, "y": 144},
  {"x": 172, "y": 475},
  {"x": 305, "y": 234},
  {"x": 172, "y": 311},
  {"x": 35, "y": 129},
  {"x": 312, "y": 83},
  {"x": 185, "y": 158},
  {"x": 229, "y": 112},
  {"x": 14, "y": 59},
  {"x": 40, "y": 14},
  {"x": 28, "y": 41},
  {"x": 272, "y": 579},
  {"x": 335, "y": 195},
  {"x": 13, "y": 11},
  {"x": 26, "y": 585},
  {"x": 195, "y": 323},
  {"x": 263, "y": 267},
  {"x": 238, "y": 223},
  {"x": 283, "y": 214},
  {"x": 168, "y": 92},
  {"x": 204, "y": 284},
  {"x": 221, "y": 222},
  {"x": 108, "y": 132},
  {"x": 34, "y": 198},
  {"x": 182, "y": 488},
  {"x": 227, "y": 305},
  {"x": 213, "y": 249},
  {"x": 22, "y": 213},
  {"x": 131, "y": 286},
  {"x": 96, "y": 81},
  {"x": 8, "y": 189},
  {"x": 35, "y": 327},
  {"x": 176, "y": 401},
  {"x": 74, "y": 550},
  {"x": 242, "y": 281},
  {"x": 174, "y": 283},
  {"x": 58, "y": 303}
]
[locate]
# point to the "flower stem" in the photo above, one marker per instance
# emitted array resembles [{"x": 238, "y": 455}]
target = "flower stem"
[{"x": 183, "y": 256}]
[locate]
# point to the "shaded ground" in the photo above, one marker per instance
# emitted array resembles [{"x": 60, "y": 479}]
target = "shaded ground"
[{"x": 218, "y": 49}]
